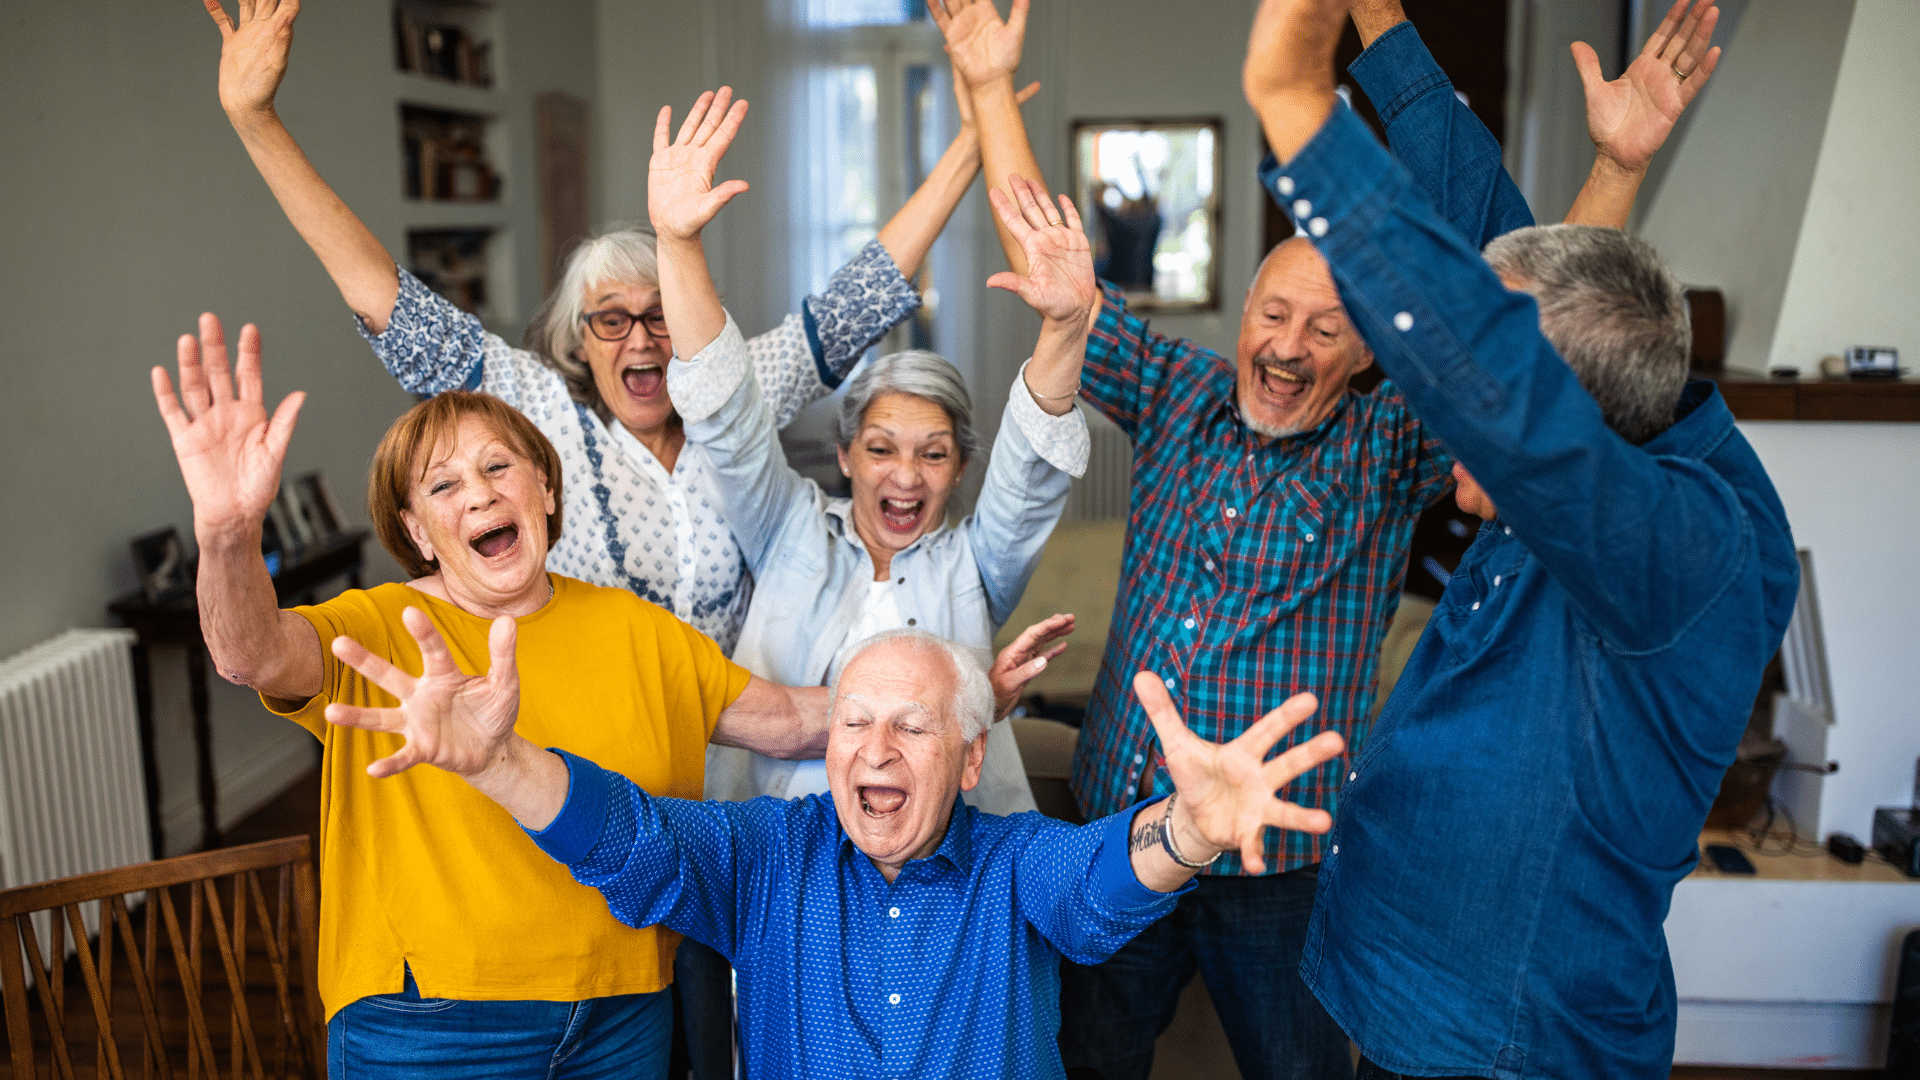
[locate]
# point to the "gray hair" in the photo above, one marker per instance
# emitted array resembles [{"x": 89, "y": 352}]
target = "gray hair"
[
  {"x": 917, "y": 372},
  {"x": 1615, "y": 313},
  {"x": 624, "y": 254},
  {"x": 972, "y": 704}
]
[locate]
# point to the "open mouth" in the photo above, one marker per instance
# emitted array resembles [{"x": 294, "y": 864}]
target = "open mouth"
[
  {"x": 1280, "y": 382},
  {"x": 881, "y": 802},
  {"x": 902, "y": 515},
  {"x": 643, "y": 380},
  {"x": 496, "y": 541}
]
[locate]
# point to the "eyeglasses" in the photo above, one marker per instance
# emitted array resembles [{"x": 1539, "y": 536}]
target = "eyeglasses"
[{"x": 614, "y": 324}]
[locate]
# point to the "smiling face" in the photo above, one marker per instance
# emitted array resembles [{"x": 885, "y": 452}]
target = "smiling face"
[
  {"x": 904, "y": 464},
  {"x": 631, "y": 374},
  {"x": 481, "y": 510},
  {"x": 1297, "y": 349},
  {"x": 895, "y": 752}
]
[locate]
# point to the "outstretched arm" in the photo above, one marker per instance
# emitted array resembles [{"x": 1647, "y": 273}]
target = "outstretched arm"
[
  {"x": 985, "y": 51},
  {"x": 1630, "y": 118},
  {"x": 253, "y": 60},
  {"x": 230, "y": 455},
  {"x": 1224, "y": 793},
  {"x": 777, "y": 721}
]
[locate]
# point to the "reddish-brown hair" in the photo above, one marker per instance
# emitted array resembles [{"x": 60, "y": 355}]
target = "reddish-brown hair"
[{"x": 405, "y": 452}]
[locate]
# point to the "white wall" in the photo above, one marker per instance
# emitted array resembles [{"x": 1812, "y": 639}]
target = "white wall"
[
  {"x": 1858, "y": 258},
  {"x": 1726, "y": 211},
  {"x": 130, "y": 208}
]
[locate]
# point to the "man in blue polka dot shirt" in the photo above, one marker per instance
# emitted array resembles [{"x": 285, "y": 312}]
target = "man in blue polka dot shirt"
[{"x": 885, "y": 929}]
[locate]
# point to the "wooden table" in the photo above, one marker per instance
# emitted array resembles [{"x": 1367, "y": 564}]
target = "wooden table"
[
  {"x": 177, "y": 622},
  {"x": 1760, "y": 397}
]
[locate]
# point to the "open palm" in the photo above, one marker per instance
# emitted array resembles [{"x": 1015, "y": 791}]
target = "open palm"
[
  {"x": 984, "y": 47},
  {"x": 1630, "y": 118},
  {"x": 451, "y": 720},
  {"x": 253, "y": 53},
  {"x": 681, "y": 198},
  {"x": 1228, "y": 788},
  {"x": 1059, "y": 282},
  {"x": 229, "y": 451}
]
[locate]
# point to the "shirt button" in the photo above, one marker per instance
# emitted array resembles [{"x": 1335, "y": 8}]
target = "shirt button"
[
  {"x": 1209, "y": 564},
  {"x": 1138, "y": 759},
  {"x": 893, "y": 913},
  {"x": 1476, "y": 605},
  {"x": 1285, "y": 185},
  {"x": 1169, "y": 680},
  {"x": 893, "y": 999},
  {"x": 1301, "y": 208},
  {"x": 1318, "y": 226},
  {"x": 1309, "y": 538},
  {"x": 1508, "y": 529},
  {"x": 1403, "y": 322},
  {"x": 903, "y": 581},
  {"x": 1352, "y": 776},
  {"x": 1336, "y": 851},
  {"x": 1190, "y": 624},
  {"x": 1496, "y": 579},
  {"x": 1231, "y": 512},
  {"x": 913, "y": 622}
]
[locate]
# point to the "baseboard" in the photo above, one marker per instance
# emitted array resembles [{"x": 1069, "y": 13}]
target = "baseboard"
[{"x": 244, "y": 788}]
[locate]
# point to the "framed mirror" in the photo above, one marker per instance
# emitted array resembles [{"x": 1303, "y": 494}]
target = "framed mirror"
[{"x": 1149, "y": 194}]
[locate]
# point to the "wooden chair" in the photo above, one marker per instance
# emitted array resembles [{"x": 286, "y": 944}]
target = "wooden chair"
[{"x": 299, "y": 1042}]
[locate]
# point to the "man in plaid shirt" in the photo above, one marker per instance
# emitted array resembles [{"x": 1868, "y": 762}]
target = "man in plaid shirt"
[{"x": 1271, "y": 514}]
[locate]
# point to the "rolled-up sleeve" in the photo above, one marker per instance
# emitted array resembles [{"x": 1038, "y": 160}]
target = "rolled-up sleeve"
[{"x": 701, "y": 384}]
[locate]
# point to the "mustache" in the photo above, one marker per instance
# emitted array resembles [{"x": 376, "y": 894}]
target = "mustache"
[{"x": 1297, "y": 368}]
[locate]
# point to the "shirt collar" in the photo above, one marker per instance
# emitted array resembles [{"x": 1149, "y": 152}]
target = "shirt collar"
[
  {"x": 956, "y": 848},
  {"x": 1701, "y": 423}
]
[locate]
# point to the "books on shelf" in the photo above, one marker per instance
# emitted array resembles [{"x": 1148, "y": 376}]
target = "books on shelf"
[{"x": 440, "y": 50}]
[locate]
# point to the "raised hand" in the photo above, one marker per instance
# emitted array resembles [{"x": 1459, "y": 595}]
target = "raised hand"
[
  {"x": 984, "y": 47},
  {"x": 681, "y": 198},
  {"x": 1059, "y": 282},
  {"x": 1027, "y": 657},
  {"x": 1288, "y": 73},
  {"x": 253, "y": 54},
  {"x": 230, "y": 453},
  {"x": 1227, "y": 790},
  {"x": 1630, "y": 117},
  {"x": 963, "y": 97},
  {"x": 451, "y": 720}
]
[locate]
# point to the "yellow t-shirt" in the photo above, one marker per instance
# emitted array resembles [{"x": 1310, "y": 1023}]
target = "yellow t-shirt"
[{"x": 420, "y": 869}]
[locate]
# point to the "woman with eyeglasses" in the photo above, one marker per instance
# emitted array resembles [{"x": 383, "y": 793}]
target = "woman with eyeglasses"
[{"x": 592, "y": 374}]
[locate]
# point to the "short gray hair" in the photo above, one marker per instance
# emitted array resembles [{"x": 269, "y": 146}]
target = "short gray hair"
[
  {"x": 1615, "y": 313},
  {"x": 920, "y": 373},
  {"x": 972, "y": 704},
  {"x": 624, "y": 255}
]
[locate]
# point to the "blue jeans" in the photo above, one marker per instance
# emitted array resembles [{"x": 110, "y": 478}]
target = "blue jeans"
[
  {"x": 1244, "y": 936},
  {"x": 407, "y": 1035}
]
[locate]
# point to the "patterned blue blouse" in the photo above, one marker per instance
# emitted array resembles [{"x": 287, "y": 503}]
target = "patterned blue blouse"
[{"x": 630, "y": 524}]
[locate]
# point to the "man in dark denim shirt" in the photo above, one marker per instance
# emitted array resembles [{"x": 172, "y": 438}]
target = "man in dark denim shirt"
[{"x": 1492, "y": 898}]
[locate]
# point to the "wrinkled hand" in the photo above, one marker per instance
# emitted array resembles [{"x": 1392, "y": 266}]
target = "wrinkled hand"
[
  {"x": 1630, "y": 117},
  {"x": 1025, "y": 658},
  {"x": 963, "y": 97},
  {"x": 1227, "y": 789},
  {"x": 230, "y": 453},
  {"x": 253, "y": 55},
  {"x": 1059, "y": 282},
  {"x": 681, "y": 198},
  {"x": 983, "y": 46},
  {"x": 1291, "y": 46},
  {"x": 451, "y": 720}
]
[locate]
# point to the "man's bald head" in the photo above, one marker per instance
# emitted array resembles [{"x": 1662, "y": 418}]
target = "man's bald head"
[{"x": 1297, "y": 347}]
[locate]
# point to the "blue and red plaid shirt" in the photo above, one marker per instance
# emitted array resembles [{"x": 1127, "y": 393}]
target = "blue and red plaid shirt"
[{"x": 1254, "y": 569}]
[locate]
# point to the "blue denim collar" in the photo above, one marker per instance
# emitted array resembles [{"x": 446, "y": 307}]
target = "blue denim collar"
[{"x": 1701, "y": 423}]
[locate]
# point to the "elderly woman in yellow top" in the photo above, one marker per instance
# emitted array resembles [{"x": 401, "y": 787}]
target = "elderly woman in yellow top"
[{"x": 450, "y": 946}]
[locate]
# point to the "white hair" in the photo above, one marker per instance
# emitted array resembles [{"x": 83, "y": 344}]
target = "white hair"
[
  {"x": 623, "y": 255},
  {"x": 917, "y": 373},
  {"x": 972, "y": 704}
]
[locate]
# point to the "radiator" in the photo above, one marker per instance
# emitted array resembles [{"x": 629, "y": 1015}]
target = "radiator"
[
  {"x": 1102, "y": 493},
  {"x": 72, "y": 799}
]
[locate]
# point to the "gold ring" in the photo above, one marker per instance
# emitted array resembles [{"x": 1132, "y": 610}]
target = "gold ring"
[{"x": 1681, "y": 75}]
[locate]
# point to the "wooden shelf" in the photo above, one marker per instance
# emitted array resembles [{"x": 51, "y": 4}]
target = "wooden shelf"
[{"x": 1760, "y": 397}]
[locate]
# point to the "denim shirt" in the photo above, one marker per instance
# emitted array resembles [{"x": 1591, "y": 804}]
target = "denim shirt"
[
  {"x": 811, "y": 570},
  {"x": 1495, "y": 886},
  {"x": 950, "y": 970}
]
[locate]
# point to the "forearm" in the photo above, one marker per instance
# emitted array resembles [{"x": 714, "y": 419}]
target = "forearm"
[
  {"x": 687, "y": 294},
  {"x": 1375, "y": 17},
  {"x": 1147, "y": 848},
  {"x": 1053, "y": 376},
  {"x": 909, "y": 234},
  {"x": 1005, "y": 151},
  {"x": 528, "y": 782},
  {"x": 360, "y": 267},
  {"x": 1606, "y": 199},
  {"x": 251, "y": 640},
  {"x": 785, "y": 722}
]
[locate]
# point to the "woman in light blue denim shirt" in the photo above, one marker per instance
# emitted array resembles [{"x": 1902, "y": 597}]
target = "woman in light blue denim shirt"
[{"x": 829, "y": 571}]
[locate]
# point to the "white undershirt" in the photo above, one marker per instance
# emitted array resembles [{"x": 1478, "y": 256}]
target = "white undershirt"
[{"x": 880, "y": 612}]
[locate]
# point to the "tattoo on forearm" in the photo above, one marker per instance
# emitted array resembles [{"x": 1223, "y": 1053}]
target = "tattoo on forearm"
[{"x": 1147, "y": 836}]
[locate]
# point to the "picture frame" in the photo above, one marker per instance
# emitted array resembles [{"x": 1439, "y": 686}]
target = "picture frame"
[
  {"x": 160, "y": 562},
  {"x": 323, "y": 512},
  {"x": 1149, "y": 191}
]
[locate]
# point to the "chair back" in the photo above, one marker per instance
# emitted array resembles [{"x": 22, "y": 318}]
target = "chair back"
[{"x": 176, "y": 1019}]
